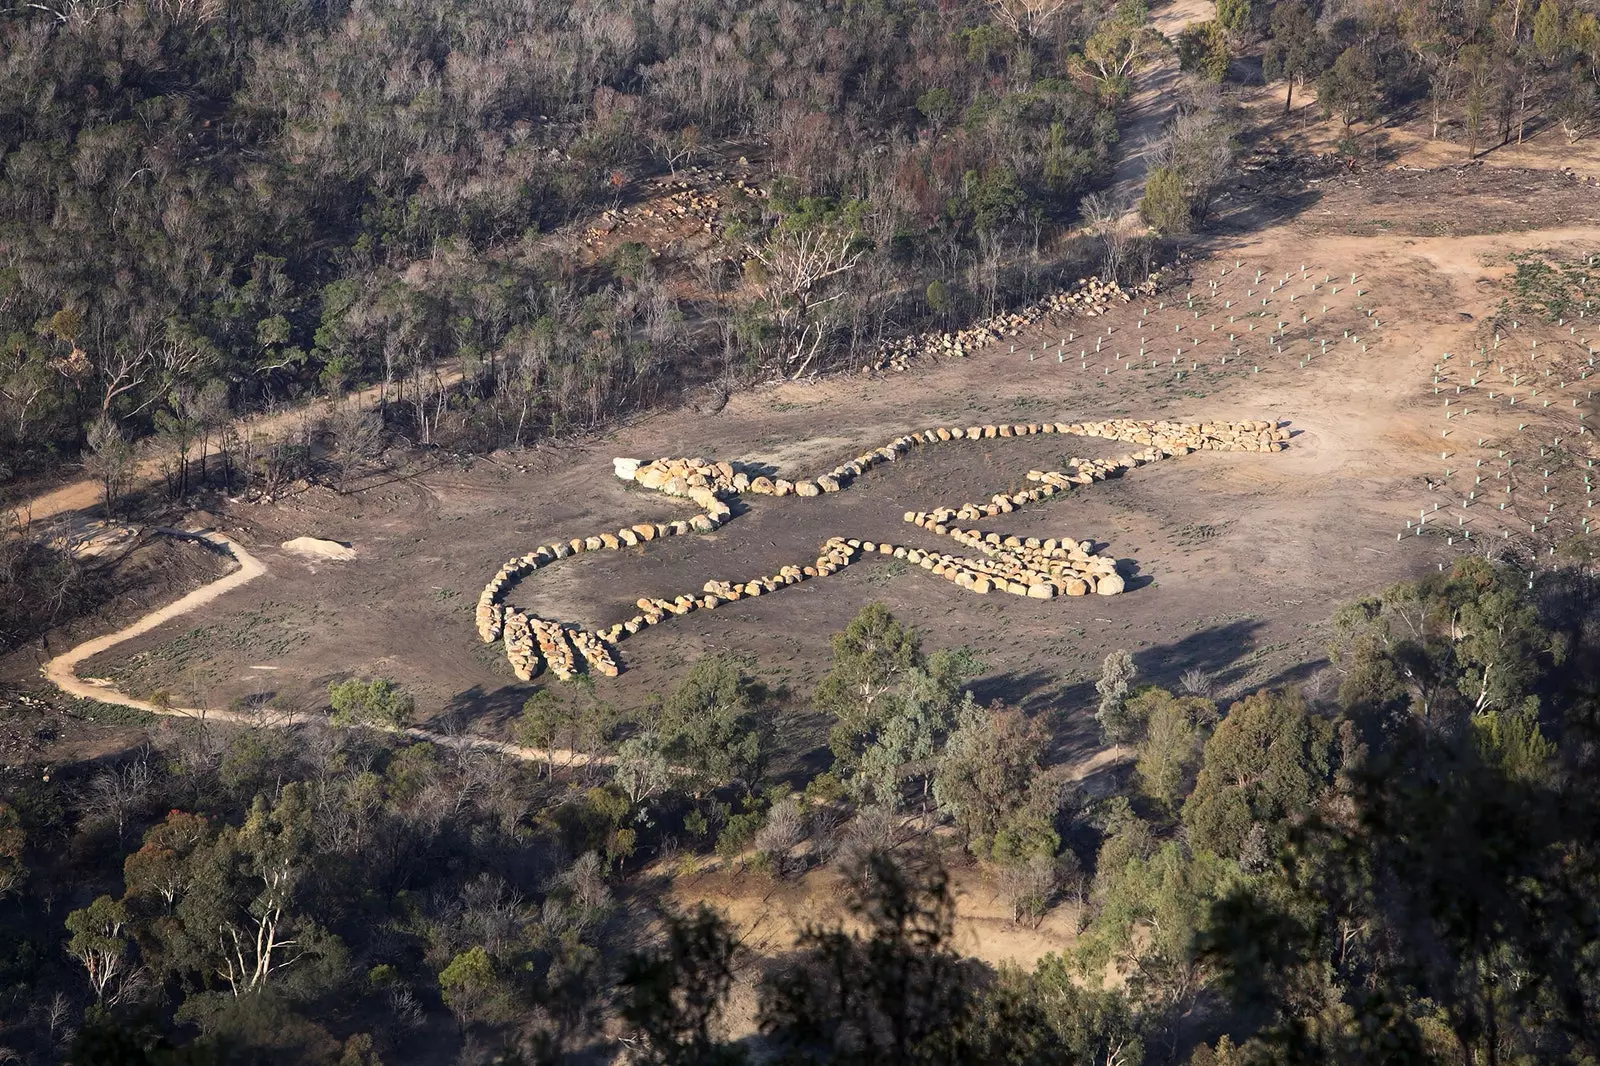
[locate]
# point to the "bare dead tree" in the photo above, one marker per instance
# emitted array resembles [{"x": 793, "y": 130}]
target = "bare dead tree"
[
  {"x": 1106, "y": 218},
  {"x": 79, "y": 12},
  {"x": 357, "y": 436},
  {"x": 797, "y": 271},
  {"x": 110, "y": 461},
  {"x": 116, "y": 794},
  {"x": 1026, "y": 18}
]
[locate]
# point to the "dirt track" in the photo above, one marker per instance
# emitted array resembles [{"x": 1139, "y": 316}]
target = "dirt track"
[
  {"x": 1154, "y": 102},
  {"x": 62, "y": 670},
  {"x": 85, "y": 495}
]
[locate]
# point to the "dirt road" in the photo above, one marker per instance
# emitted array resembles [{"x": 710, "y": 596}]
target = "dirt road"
[
  {"x": 62, "y": 670},
  {"x": 1154, "y": 102},
  {"x": 84, "y": 495}
]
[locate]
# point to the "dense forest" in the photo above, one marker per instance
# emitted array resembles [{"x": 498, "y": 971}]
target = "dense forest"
[
  {"x": 210, "y": 206},
  {"x": 1394, "y": 863}
]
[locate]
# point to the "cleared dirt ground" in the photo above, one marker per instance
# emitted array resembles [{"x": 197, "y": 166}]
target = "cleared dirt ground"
[{"x": 1235, "y": 559}]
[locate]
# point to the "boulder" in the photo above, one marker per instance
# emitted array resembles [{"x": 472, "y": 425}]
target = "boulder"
[
  {"x": 1109, "y": 584},
  {"x": 625, "y": 468}
]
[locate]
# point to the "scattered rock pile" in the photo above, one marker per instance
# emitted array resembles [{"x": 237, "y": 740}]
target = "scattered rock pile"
[
  {"x": 689, "y": 198},
  {"x": 1091, "y": 297},
  {"x": 1023, "y": 566}
]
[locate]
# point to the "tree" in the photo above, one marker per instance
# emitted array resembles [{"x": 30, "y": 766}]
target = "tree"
[
  {"x": 1461, "y": 643},
  {"x": 1165, "y": 207},
  {"x": 801, "y": 269},
  {"x": 1266, "y": 763},
  {"x": 159, "y": 873},
  {"x": 1576, "y": 107},
  {"x": 990, "y": 781},
  {"x": 13, "y": 841},
  {"x": 1550, "y": 39},
  {"x": 1295, "y": 50},
  {"x": 786, "y": 825},
  {"x": 111, "y": 462},
  {"x": 357, "y": 436},
  {"x": 1105, "y": 218},
  {"x": 1198, "y": 146},
  {"x": 117, "y": 793},
  {"x": 938, "y": 106},
  {"x": 675, "y": 993},
  {"x": 1116, "y": 51},
  {"x": 1151, "y": 917},
  {"x": 1350, "y": 89},
  {"x": 1238, "y": 17},
  {"x": 1116, "y": 675},
  {"x": 239, "y": 918},
  {"x": 1027, "y": 886},
  {"x": 1077, "y": 1022},
  {"x": 714, "y": 724},
  {"x": 1026, "y": 18},
  {"x": 642, "y": 771},
  {"x": 100, "y": 946},
  {"x": 379, "y": 702},
  {"x": 913, "y": 721},
  {"x": 470, "y": 986},
  {"x": 176, "y": 430},
  {"x": 1203, "y": 51},
  {"x": 1170, "y": 747},
  {"x": 870, "y": 657}
]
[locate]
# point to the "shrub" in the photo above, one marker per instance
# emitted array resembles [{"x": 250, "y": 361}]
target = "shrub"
[
  {"x": 1165, "y": 206},
  {"x": 379, "y": 702}
]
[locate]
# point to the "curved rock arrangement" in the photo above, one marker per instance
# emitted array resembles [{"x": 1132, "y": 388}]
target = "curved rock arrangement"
[
  {"x": 1089, "y": 298},
  {"x": 1038, "y": 569}
]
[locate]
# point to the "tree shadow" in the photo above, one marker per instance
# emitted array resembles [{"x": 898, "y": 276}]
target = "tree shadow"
[
  {"x": 480, "y": 711},
  {"x": 1029, "y": 691},
  {"x": 1220, "y": 652}
]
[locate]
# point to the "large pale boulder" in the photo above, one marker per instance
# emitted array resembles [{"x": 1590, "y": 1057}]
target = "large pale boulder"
[{"x": 626, "y": 468}]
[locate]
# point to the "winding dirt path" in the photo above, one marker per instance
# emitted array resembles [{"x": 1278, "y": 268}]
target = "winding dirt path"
[{"x": 62, "y": 671}]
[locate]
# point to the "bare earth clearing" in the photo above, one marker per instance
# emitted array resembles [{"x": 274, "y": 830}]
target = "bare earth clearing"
[
  {"x": 1235, "y": 560},
  {"x": 1244, "y": 553}
]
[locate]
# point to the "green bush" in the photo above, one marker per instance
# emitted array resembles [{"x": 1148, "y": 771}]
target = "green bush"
[
  {"x": 1203, "y": 51},
  {"x": 378, "y": 702},
  {"x": 1165, "y": 205}
]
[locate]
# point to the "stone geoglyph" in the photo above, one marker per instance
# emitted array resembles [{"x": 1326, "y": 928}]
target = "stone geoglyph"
[{"x": 1023, "y": 566}]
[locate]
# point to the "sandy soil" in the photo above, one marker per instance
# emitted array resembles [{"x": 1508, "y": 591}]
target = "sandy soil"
[{"x": 315, "y": 548}]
